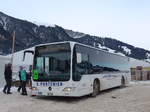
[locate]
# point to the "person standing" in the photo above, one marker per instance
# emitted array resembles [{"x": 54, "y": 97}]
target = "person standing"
[
  {"x": 8, "y": 79},
  {"x": 29, "y": 81},
  {"x": 23, "y": 78},
  {"x": 20, "y": 83}
]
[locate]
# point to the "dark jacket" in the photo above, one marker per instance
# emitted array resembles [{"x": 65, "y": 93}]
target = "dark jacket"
[
  {"x": 19, "y": 75},
  {"x": 8, "y": 73}
]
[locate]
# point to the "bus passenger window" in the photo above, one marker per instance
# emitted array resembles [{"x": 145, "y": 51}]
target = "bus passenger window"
[{"x": 82, "y": 63}]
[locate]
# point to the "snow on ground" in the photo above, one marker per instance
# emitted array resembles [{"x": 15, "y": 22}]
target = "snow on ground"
[
  {"x": 101, "y": 47},
  {"x": 78, "y": 36},
  {"x": 134, "y": 98},
  {"x": 147, "y": 60},
  {"x": 4, "y": 23},
  {"x": 148, "y": 55},
  {"x": 14, "y": 89},
  {"x": 120, "y": 54},
  {"x": 140, "y": 82},
  {"x": 126, "y": 49},
  {"x": 110, "y": 50},
  {"x": 45, "y": 24}
]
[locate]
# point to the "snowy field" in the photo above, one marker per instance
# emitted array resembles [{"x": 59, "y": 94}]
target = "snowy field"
[{"x": 134, "y": 98}]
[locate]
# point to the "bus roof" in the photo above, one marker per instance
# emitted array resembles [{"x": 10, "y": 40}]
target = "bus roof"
[{"x": 73, "y": 42}]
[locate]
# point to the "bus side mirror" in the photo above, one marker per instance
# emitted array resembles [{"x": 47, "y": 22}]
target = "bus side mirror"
[{"x": 27, "y": 51}]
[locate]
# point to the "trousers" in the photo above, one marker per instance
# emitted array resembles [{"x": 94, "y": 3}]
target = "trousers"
[{"x": 7, "y": 86}]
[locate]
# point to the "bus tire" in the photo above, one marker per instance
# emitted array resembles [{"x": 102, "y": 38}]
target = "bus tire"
[
  {"x": 96, "y": 88},
  {"x": 122, "y": 82}
]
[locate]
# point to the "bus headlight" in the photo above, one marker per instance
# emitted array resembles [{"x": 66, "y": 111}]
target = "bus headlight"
[
  {"x": 69, "y": 89},
  {"x": 34, "y": 88}
]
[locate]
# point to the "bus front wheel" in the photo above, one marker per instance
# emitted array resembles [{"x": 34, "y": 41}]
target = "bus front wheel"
[{"x": 96, "y": 88}]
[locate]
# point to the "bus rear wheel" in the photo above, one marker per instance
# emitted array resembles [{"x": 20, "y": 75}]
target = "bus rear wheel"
[
  {"x": 96, "y": 88},
  {"x": 122, "y": 82}
]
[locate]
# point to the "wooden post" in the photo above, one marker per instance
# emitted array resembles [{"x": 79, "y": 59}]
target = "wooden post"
[{"x": 13, "y": 47}]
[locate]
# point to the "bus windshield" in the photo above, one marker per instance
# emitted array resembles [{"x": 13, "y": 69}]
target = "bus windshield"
[{"x": 52, "y": 62}]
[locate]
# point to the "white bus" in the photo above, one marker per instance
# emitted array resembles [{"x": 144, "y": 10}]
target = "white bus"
[{"x": 73, "y": 69}]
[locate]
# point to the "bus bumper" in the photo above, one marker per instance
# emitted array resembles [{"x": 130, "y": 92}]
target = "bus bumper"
[{"x": 57, "y": 93}]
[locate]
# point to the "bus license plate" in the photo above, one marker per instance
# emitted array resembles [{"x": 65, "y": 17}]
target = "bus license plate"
[
  {"x": 50, "y": 94},
  {"x": 39, "y": 93}
]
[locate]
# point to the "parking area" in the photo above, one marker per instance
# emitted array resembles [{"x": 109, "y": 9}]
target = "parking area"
[{"x": 134, "y": 98}]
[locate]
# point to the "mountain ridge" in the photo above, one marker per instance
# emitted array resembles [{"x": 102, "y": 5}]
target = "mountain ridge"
[{"x": 29, "y": 34}]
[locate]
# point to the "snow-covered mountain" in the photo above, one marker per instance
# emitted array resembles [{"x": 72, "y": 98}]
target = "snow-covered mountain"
[
  {"x": 74, "y": 34},
  {"x": 29, "y": 34}
]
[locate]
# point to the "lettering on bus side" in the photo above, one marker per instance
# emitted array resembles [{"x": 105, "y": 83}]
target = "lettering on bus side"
[
  {"x": 106, "y": 76},
  {"x": 45, "y": 84}
]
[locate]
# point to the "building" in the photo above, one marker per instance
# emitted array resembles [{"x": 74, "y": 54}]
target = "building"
[{"x": 140, "y": 70}]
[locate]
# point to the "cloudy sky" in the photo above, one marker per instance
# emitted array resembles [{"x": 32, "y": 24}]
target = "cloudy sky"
[{"x": 125, "y": 20}]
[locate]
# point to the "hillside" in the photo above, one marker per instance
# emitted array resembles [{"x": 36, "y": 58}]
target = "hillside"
[{"x": 29, "y": 34}]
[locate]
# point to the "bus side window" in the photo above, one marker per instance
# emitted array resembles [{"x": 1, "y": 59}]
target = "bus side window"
[{"x": 82, "y": 63}]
